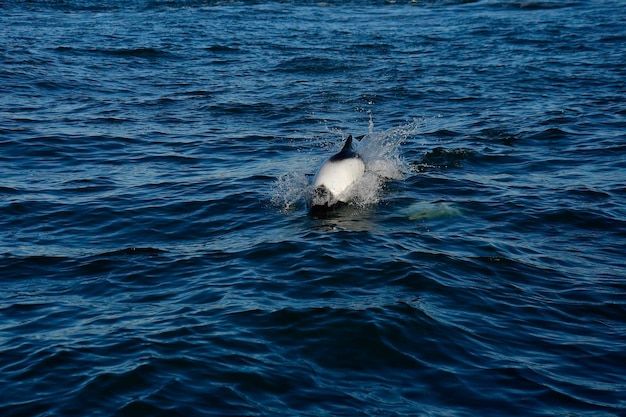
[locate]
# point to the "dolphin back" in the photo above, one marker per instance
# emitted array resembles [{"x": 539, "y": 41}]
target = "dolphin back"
[{"x": 336, "y": 176}]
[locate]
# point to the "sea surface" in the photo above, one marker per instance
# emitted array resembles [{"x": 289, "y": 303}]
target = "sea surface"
[{"x": 157, "y": 257}]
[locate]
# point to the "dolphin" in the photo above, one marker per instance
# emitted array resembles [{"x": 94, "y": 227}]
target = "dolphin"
[{"x": 335, "y": 177}]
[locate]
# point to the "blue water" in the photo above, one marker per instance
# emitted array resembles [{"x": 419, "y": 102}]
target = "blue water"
[{"x": 157, "y": 256}]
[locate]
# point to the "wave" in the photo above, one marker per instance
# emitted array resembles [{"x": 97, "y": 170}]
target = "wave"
[
  {"x": 95, "y": 6},
  {"x": 532, "y": 4},
  {"x": 314, "y": 65},
  {"x": 133, "y": 52},
  {"x": 141, "y": 52}
]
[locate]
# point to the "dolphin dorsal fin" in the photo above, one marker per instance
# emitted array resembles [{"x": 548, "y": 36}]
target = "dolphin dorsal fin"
[
  {"x": 347, "y": 147},
  {"x": 346, "y": 152}
]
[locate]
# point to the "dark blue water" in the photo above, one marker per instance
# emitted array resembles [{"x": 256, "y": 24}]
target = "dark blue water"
[{"x": 157, "y": 256}]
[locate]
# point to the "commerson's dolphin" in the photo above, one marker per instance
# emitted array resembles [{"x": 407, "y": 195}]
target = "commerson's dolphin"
[{"x": 332, "y": 183}]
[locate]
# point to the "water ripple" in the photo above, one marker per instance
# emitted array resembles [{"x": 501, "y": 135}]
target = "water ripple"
[{"x": 157, "y": 257}]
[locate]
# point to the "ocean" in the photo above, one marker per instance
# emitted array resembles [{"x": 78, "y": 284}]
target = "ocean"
[{"x": 157, "y": 256}]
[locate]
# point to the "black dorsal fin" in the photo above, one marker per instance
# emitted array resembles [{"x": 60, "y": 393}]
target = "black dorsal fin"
[
  {"x": 347, "y": 147},
  {"x": 346, "y": 152}
]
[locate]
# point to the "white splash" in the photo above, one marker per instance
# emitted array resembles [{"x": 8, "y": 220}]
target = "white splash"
[{"x": 289, "y": 190}]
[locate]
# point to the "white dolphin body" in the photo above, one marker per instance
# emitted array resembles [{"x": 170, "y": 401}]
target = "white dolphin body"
[{"x": 336, "y": 176}]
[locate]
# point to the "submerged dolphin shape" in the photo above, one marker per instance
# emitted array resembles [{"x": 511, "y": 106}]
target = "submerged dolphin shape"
[{"x": 333, "y": 180}]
